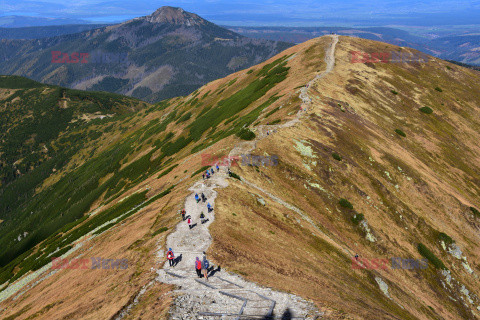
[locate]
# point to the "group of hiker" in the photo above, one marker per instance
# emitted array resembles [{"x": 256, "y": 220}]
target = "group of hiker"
[
  {"x": 200, "y": 198},
  {"x": 202, "y": 267},
  {"x": 210, "y": 172}
]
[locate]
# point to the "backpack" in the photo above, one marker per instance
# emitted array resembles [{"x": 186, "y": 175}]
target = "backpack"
[{"x": 206, "y": 263}]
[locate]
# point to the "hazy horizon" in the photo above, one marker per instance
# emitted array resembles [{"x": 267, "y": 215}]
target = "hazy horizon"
[{"x": 302, "y": 13}]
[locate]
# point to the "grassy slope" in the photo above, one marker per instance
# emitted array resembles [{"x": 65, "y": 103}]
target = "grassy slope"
[
  {"x": 408, "y": 189},
  {"x": 304, "y": 261},
  {"x": 134, "y": 148}
]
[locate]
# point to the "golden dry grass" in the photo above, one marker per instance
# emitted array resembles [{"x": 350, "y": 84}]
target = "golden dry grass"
[{"x": 408, "y": 189}]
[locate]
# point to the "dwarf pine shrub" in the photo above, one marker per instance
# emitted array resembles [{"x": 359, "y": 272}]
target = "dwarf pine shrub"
[
  {"x": 400, "y": 132},
  {"x": 426, "y": 110},
  {"x": 345, "y": 203}
]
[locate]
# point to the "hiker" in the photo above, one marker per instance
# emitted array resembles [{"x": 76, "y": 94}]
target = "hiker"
[
  {"x": 218, "y": 168},
  {"x": 205, "y": 264},
  {"x": 211, "y": 170},
  {"x": 198, "y": 267},
  {"x": 209, "y": 207},
  {"x": 208, "y": 175},
  {"x": 203, "y": 176},
  {"x": 170, "y": 257},
  {"x": 204, "y": 198},
  {"x": 183, "y": 214},
  {"x": 202, "y": 217},
  {"x": 189, "y": 222},
  {"x": 196, "y": 197},
  {"x": 229, "y": 172}
]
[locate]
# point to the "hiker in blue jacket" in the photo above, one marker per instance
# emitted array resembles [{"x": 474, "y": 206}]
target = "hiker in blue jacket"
[
  {"x": 197, "y": 198},
  {"x": 209, "y": 207},
  {"x": 205, "y": 265},
  {"x": 218, "y": 168}
]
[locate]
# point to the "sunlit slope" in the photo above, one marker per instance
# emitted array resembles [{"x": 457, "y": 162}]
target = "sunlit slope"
[
  {"x": 283, "y": 225},
  {"x": 413, "y": 196},
  {"x": 132, "y": 152}
]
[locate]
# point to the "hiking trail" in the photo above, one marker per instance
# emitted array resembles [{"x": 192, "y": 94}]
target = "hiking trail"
[{"x": 226, "y": 295}]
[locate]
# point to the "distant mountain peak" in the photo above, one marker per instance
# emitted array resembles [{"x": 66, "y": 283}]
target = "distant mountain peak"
[{"x": 174, "y": 15}]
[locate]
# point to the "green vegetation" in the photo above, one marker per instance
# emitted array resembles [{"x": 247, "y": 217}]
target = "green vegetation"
[
  {"x": 17, "y": 82},
  {"x": 185, "y": 117},
  {"x": 272, "y": 112},
  {"x": 445, "y": 238},
  {"x": 345, "y": 203},
  {"x": 426, "y": 110},
  {"x": 56, "y": 215},
  {"x": 234, "y": 175},
  {"x": 238, "y": 101},
  {"x": 161, "y": 230},
  {"x": 231, "y": 119},
  {"x": 438, "y": 89},
  {"x": 393, "y": 91},
  {"x": 110, "y": 84},
  {"x": 336, "y": 156},
  {"x": 274, "y": 122},
  {"x": 55, "y": 140},
  {"x": 231, "y": 82},
  {"x": 204, "y": 168},
  {"x": 426, "y": 253},
  {"x": 249, "y": 118},
  {"x": 206, "y": 94},
  {"x": 475, "y": 212},
  {"x": 357, "y": 218},
  {"x": 167, "y": 171},
  {"x": 61, "y": 244},
  {"x": 249, "y": 71},
  {"x": 400, "y": 132},
  {"x": 266, "y": 68},
  {"x": 246, "y": 134}
]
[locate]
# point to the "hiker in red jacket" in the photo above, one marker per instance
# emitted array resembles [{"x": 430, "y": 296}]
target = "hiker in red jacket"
[
  {"x": 183, "y": 214},
  {"x": 198, "y": 267},
  {"x": 189, "y": 221},
  {"x": 170, "y": 256}
]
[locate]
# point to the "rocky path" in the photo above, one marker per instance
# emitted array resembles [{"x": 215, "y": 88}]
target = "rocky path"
[
  {"x": 226, "y": 295},
  {"x": 261, "y": 130}
]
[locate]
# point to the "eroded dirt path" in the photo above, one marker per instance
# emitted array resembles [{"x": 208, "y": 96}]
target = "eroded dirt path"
[{"x": 226, "y": 295}]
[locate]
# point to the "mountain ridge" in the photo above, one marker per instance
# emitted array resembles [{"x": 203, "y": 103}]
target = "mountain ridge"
[
  {"x": 166, "y": 54},
  {"x": 367, "y": 170}
]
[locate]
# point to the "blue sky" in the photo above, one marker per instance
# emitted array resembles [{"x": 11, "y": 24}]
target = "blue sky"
[{"x": 270, "y": 12}]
